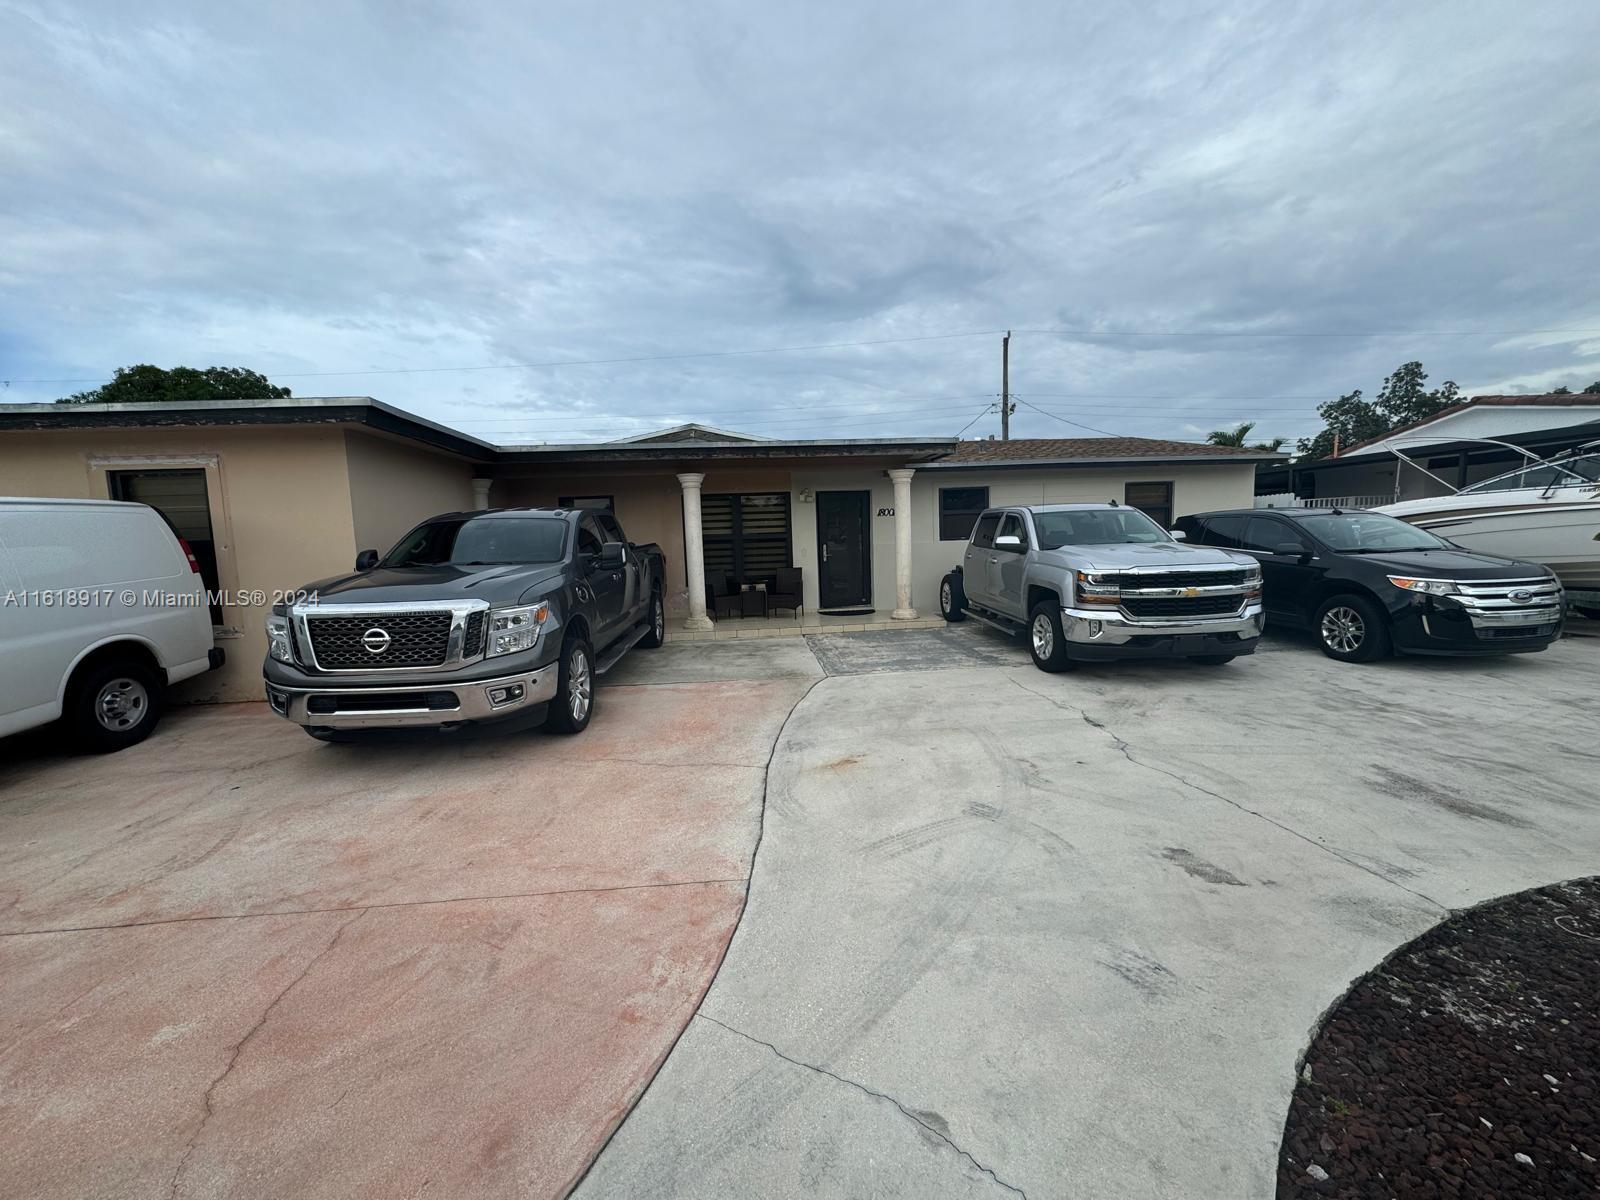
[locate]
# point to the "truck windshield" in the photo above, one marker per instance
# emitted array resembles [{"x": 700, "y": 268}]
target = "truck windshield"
[
  {"x": 1096, "y": 527},
  {"x": 1369, "y": 532},
  {"x": 481, "y": 541}
]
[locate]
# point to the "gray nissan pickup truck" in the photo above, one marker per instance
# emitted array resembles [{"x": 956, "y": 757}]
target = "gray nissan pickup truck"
[
  {"x": 472, "y": 617},
  {"x": 1092, "y": 582}
]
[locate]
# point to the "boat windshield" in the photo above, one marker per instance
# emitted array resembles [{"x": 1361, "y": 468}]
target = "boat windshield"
[
  {"x": 1369, "y": 533},
  {"x": 1569, "y": 472}
]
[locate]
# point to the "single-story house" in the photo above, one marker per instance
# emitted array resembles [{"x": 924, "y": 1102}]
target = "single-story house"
[
  {"x": 273, "y": 494},
  {"x": 1451, "y": 444}
]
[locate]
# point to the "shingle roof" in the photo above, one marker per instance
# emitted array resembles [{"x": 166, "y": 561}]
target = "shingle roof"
[{"x": 1099, "y": 449}]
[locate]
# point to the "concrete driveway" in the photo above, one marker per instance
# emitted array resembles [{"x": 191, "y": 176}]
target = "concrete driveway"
[
  {"x": 237, "y": 962},
  {"x": 1012, "y": 933}
]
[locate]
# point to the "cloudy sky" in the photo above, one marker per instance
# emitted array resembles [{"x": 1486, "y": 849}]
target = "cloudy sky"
[{"x": 559, "y": 223}]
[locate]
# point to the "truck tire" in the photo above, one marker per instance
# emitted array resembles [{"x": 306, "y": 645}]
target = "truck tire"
[
  {"x": 114, "y": 704},
  {"x": 1046, "y": 642},
  {"x": 573, "y": 705},
  {"x": 658, "y": 622},
  {"x": 1350, "y": 628},
  {"x": 952, "y": 599}
]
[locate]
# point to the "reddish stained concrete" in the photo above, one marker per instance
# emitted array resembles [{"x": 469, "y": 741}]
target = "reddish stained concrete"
[
  {"x": 467, "y": 1035},
  {"x": 235, "y": 811}
]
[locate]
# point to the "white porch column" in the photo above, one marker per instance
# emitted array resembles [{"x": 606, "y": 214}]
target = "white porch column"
[
  {"x": 694, "y": 552},
  {"x": 902, "y": 544},
  {"x": 480, "y": 492}
]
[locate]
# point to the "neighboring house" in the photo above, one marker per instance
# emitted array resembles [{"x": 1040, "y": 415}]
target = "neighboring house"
[
  {"x": 1445, "y": 444},
  {"x": 275, "y": 494}
]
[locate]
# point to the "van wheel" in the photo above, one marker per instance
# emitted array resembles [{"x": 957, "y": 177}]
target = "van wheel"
[
  {"x": 1045, "y": 640},
  {"x": 114, "y": 704},
  {"x": 574, "y": 700},
  {"x": 952, "y": 599},
  {"x": 658, "y": 623},
  {"x": 1351, "y": 629}
]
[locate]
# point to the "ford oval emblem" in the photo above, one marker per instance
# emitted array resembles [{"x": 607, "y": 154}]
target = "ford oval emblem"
[
  {"x": 1520, "y": 597},
  {"x": 375, "y": 640}
]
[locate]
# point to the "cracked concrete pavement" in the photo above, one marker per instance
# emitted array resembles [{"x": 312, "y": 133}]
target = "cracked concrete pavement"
[
  {"x": 1013, "y": 933},
  {"x": 237, "y": 962}
]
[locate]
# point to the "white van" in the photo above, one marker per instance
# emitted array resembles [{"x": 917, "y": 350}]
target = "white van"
[{"x": 101, "y": 607}]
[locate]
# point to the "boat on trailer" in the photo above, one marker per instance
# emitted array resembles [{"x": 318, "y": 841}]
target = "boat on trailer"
[{"x": 1545, "y": 510}]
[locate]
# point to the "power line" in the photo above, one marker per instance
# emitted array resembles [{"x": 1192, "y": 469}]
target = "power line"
[
  {"x": 982, "y": 413},
  {"x": 582, "y": 362},
  {"x": 1064, "y": 421},
  {"x": 932, "y": 337}
]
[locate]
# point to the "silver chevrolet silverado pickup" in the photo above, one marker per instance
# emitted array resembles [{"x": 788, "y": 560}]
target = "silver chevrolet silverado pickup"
[{"x": 1091, "y": 582}]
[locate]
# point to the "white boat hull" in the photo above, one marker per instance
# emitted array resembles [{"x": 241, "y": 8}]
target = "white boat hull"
[{"x": 1563, "y": 535}]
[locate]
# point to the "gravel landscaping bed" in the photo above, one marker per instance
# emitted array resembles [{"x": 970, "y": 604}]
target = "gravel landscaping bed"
[{"x": 1467, "y": 1065}]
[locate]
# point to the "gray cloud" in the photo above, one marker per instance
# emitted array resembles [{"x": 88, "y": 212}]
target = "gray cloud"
[{"x": 304, "y": 188}]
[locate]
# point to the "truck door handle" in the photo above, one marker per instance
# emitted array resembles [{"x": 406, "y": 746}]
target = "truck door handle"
[
  {"x": 824, "y": 551},
  {"x": 993, "y": 558}
]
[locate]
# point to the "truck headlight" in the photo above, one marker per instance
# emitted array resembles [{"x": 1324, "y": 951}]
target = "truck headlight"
[
  {"x": 1098, "y": 587},
  {"x": 279, "y": 645},
  {"x": 1252, "y": 582},
  {"x": 1433, "y": 587},
  {"x": 515, "y": 629}
]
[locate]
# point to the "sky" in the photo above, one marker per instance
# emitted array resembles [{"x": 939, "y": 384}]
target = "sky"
[{"x": 559, "y": 223}]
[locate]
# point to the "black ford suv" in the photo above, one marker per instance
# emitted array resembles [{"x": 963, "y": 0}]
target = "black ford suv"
[
  {"x": 1367, "y": 584},
  {"x": 472, "y": 617}
]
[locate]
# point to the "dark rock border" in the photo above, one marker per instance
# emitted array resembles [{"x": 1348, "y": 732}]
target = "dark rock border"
[{"x": 1467, "y": 1064}]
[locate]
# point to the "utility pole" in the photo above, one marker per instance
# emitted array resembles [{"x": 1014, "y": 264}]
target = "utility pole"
[{"x": 1005, "y": 387}]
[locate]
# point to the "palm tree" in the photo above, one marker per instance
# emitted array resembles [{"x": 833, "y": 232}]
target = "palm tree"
[
  {"x": 1236, "y": 437},
  {"x": 1230, "y": 437}
]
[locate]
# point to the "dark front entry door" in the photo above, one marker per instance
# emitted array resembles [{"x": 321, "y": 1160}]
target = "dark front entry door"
[{"x": 844, "y": 549}]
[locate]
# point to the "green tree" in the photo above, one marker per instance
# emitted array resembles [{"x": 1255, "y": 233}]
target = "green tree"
[
  {"x": 1593, "y": 389},
  {"x": 1403, "y": 400},
  {"x": 1563, "y": 390},
  {"x": 145, "y": 384}
]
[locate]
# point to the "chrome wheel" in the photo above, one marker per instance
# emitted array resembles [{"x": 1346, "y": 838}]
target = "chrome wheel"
[
  {"x": 660, "y": 620},
  {"x": 1343, "y": 629},
  {"x": 1044, "y": 637},
  {"x": 946, "y": 601},
  {"x": 579, "y": 685},
  {"x": 121, "y": 704}
]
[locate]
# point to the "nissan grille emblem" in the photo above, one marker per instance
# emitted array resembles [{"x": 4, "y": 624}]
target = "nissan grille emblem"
[
  {"x": 1521, "y": 597},
  {"x": 375, "y": 640}
]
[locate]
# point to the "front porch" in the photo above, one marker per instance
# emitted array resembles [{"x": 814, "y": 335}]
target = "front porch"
[{"x": 787, "y": 625}]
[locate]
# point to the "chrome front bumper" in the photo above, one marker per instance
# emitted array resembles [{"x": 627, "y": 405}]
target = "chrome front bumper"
[
  {"x": 472, "y": 702},
  {"x": 1111, "y": 628}
]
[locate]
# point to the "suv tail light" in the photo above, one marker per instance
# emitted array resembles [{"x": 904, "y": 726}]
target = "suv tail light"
[{"x": 194, "y": 563}]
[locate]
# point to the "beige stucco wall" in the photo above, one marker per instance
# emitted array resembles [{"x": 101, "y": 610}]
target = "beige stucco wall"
[
  {"x": 280, "y": 510},
  {"x": 394, "y": 484}
]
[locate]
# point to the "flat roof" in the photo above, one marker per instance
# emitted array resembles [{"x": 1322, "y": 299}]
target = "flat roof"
[{"x": 929, "y": 453}]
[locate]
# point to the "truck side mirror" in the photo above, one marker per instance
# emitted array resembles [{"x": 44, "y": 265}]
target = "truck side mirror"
[
  {"x": 366, "y": 560},
  {"x": 1008, "y": 541},
  {"x": 1178, "y": 535},
  {"x": 613, "y": 555},
  {"x": 1293, "y": 549}
]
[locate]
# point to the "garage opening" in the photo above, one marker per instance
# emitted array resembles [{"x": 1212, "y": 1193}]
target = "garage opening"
[{"x": 180, "y": 497}]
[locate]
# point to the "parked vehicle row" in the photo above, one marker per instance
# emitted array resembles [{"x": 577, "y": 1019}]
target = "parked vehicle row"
[{"x": 1092, "y": 582}]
